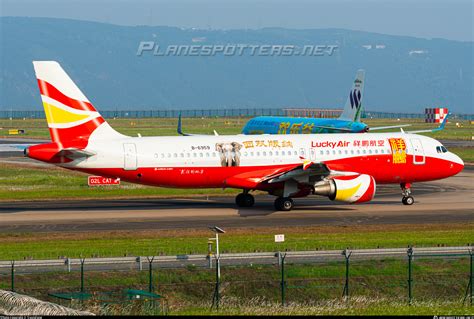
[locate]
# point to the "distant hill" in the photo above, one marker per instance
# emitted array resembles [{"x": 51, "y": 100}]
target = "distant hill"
[{"x": 402, "y": 73}]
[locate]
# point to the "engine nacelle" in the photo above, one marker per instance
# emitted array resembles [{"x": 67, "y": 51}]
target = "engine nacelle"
[{"x": 351, "y": 189}]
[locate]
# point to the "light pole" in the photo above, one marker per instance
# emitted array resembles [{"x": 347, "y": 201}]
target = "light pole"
[{"x": 216, "y": 298}]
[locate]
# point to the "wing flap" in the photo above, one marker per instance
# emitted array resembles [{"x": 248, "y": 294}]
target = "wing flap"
[{"x": 297, "y": 172}]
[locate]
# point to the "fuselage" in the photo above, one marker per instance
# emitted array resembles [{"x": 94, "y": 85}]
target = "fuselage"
[
  {"x": 207, "y": 161},
  {"x": 300, "y": 125}
]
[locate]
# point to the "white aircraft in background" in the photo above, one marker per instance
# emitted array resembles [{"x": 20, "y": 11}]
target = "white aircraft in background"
[{"x": 342, "y": 167}]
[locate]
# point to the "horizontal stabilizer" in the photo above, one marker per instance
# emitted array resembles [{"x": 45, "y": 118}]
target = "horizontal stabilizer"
[{"x": 74, "y": 153}]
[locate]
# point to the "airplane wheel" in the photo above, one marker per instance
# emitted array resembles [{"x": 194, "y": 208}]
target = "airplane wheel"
[
  {"x": 244, "y": 200},
  {"x": 284, "y": 203},
  {"x": 408, "y": 200}
]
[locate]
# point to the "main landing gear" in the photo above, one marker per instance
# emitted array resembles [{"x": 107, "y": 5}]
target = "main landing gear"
[
  {"x": 407, "y": 199},
  {"x": 284, "y": 203},
  {"x": 244, "y": 199}
]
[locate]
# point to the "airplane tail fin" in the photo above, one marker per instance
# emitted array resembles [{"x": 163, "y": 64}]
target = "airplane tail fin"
[
  {"x": 71, "y": 118},
  {"x": 353, "y": 108}
]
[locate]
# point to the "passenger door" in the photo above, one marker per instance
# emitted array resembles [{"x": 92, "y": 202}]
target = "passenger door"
[
  {"x": 418, "y": 152},
  {"x": 130, "y": 157}
]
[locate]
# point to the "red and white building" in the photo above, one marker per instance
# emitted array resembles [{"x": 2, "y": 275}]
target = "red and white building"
[{"x": 435, "y": 115}]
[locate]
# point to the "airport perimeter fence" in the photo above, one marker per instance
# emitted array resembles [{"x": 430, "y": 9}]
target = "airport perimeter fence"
[
  {"x": 399, "y": 274},
  {"x": 226, "y": 112}
]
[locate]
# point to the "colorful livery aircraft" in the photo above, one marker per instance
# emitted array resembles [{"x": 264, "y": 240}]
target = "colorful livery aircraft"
[
  {"x": 348, "y": 122},
  {"x": 342, "y": 167}
]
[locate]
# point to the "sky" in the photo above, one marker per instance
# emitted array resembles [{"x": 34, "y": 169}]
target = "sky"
[{"x": 449, "y": 19}]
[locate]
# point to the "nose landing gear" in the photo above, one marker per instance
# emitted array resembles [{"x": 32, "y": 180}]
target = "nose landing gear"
[
  {"x": 245, "y": 200},
  {"x": 407, "y": 199}
]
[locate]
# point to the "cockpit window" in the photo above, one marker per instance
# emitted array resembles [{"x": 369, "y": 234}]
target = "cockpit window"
[{"x": 441, "y": 149}]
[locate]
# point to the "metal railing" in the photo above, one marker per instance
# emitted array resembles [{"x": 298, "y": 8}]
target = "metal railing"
[{"x": 180, "y": 261}]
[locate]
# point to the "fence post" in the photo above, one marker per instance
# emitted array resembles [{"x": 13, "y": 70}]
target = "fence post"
[
  {"x": 471, "y": 254},
  {"x": 139, "y": 261},
  {"x": 13, "y": 275},
  {"x": 410, "y": 275},
  {"x": 283, "y": 282},
  {"x": 347, "y": 255},
  {"x": 150, "y": 273},
  {"x": 216, "y": 297},
  {"x": 82, "y": 274},
  {"x": 469, "y": 284},
  {"x": 68, "y": 264}
]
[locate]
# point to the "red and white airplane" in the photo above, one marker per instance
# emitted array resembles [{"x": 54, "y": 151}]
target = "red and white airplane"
[{"x": 343, "y": 167}]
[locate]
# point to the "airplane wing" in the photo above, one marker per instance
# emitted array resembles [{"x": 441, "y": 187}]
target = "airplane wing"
[
  {"x": 387, "y": 127},
  {"x": 439, "y": 128},
  {"x": 342, "y": 129},
  {"x": 297, "y": 172}
]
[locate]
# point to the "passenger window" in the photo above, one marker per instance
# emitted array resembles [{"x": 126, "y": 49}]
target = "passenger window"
[
  {"x": 169, "y": 155},
  {"x": 162, "y": 155},
  {"x": 327, "y": 152},
  {"x": 270, "y": 153},
  {"x": 264, "y": 153},
  {"x": 364, "y": 151},
  {"x": 214, "y": 154},
  {"x": 175, "y": 155},
  {"x": 321, "y": 152},
  {"x": 276, "y": 153},
  {"x": 194, "y": 155},
  {"x": 182, "y": 155},
  {"x": 188, "y": 155},
  {"x": 352, "y": 152},
  {"x": 201, "y": 155},
  {"x": 207, "y": 154},
  {"x": 346, "y": 152}
]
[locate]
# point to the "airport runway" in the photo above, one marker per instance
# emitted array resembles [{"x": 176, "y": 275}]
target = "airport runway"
[{"x": 446, "y": 201}]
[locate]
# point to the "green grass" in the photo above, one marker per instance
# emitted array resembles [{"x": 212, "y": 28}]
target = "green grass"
[
  {"x": 20, "y": 182},
  {"x": 40, "y": 246}
]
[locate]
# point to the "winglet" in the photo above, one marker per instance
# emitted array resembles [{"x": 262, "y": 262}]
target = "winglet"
[
  {"x": 179, "y": 130},
  {"x": 439, "y": 128},
  {"x": 443, "y": 124}
]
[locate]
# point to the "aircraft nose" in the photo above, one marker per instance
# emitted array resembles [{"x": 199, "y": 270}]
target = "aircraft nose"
[{"x": 457, "y": 164}]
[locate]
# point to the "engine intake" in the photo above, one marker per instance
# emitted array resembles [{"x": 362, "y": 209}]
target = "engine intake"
[{"x": 351, "y": 189}]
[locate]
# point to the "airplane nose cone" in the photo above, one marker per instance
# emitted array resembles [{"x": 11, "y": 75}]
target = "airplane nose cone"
[{"x": 457, "y": 164}]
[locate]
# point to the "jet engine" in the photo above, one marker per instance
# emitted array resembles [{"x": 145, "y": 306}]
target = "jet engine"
[{"x": 352, "y": 189}]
